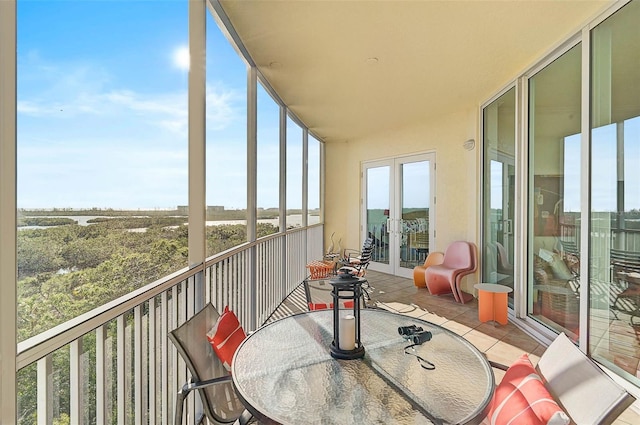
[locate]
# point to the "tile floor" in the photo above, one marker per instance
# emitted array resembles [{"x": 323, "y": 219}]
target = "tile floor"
[{"x": 502, "y": 344}]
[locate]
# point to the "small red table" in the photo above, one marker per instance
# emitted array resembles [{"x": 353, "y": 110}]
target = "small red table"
[{"x": 492, "y": 302}]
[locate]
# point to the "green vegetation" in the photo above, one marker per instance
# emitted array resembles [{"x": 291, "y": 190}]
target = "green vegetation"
[
  {"x": 67, "y": 269},
  {"x": 44, "y": 221}
]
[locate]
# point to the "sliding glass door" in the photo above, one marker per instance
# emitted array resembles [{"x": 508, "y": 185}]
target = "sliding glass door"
[
  {"x": 614, "y": 240},
  {"x": 554, "y": 194}
]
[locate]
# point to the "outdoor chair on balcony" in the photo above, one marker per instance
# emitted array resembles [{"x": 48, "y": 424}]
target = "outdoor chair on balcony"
[
  {"x": 625, "y": 276},
  {"x": 358, "y": 260},
  {"x": 556, "y": 288},
  {"x": 566, "y": 386},
  {"x": 208, "y": 374},
  {"x": 504, "y": 266},
  {"x": 460, "y": 259},
  {"x": 319, "y": 297},
  {"x": 434, "y": 258}
]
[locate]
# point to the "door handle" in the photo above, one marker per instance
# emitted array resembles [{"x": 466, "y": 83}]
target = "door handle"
[{"x": 508, "y": 224}]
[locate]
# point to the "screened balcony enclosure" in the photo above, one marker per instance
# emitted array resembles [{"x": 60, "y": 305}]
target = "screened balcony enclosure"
[{"x": 209, "y": 150}]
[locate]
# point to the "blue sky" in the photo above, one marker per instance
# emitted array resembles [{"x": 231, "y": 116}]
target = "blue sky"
[
  {"x": 102, "y": 122},
  {"x": 604, "y": 170},
  {"x": 102, "y": 100},
  {"x": 604, "y": 159}
]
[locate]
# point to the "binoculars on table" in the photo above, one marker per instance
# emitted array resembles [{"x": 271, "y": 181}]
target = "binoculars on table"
[{"x": 415, "y": 333}]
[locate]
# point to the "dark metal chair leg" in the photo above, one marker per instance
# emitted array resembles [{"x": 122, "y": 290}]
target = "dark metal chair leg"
[{"x": 180, "y": 405}]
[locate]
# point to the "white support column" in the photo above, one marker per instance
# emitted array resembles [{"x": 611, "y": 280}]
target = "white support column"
[
  {"x": 305, "y": 177},
  {"x": 305, "y": 190},
  {"x": 252, "y": 151},
  {"x": 283, "y": 190},
  {"x": 197, "y": 155},
  {"x": 8, "y": 340},
  {"x": 197, "y": 132},
  {"x": 252, "y": 192},
  {"x": 323, "y": 180},
  {"x": 283, "y": 169}
]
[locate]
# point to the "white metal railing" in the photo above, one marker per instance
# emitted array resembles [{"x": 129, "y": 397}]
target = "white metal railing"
[{"x": 115, "y": 364}]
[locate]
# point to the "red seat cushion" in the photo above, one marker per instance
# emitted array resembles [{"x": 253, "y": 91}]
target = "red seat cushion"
[
  {"x": 225, "y": 336},
  {"x": 324, "y": 306},
  {"x": 522, "y": 398}
]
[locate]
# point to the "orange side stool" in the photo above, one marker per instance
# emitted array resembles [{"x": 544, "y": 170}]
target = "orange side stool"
[{"x": 492, "y": 302}]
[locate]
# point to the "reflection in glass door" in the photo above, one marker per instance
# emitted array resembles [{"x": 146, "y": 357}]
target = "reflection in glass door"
[
  {"x": 614, "y": 215},
  {"x": 399, "y": 212},
  {"x": 377, "y": 180},
  {"x": 499, "y": 191},
  {"x": 554, "y": 250}
]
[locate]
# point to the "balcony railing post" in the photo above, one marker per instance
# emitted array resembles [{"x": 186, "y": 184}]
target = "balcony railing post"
[
  {"x": 164, "y": 319},
  {"x": 75, "y": 382},
  {"x": 152, "y": 354},
  {"x": 100, "y": 375},
  {"x": 121, "y": 372},
  {"x": 45, "y": 390},
  {"x": 139, "y": 378}
]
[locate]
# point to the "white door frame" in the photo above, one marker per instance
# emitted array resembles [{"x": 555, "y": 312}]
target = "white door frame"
[{"x": 394, "y": 222}]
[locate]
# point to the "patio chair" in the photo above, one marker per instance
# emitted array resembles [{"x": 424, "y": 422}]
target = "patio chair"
[
  {"x": 575, "y": 383},
  {"x": 358, "y": 260},
  {"x": 208, "y": 375},
  {"x": 318, "y": 294},
  {"x": 460, "y": 259},
  {"x": 625, "y": 276},
  {"x": 434, "y": 258}
]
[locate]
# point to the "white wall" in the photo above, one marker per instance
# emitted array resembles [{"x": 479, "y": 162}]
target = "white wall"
[{"x": 457, "y": 177}]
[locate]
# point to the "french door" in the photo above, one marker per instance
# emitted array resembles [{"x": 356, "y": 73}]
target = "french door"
[{"x": 398, "y": 211}]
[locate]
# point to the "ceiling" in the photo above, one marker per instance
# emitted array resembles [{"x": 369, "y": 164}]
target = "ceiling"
[{"x": 350, "y": 69}]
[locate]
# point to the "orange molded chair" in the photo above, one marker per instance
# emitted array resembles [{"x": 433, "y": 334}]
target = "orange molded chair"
[
  {"x": 460, "y": 259},
  {"x": 434, "y": 258}
]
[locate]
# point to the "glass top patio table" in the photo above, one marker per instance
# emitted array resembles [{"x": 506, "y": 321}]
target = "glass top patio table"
[{"x": 284, "y": 374}]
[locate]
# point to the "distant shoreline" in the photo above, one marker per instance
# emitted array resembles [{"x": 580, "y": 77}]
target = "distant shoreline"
[{"x": 83, "y": 220}]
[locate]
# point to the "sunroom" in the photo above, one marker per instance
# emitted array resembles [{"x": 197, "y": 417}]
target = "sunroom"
[{"x": 156, "y": 156}]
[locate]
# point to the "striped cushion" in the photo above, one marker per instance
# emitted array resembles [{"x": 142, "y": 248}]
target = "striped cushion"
[{"x": 522, "y": 398}]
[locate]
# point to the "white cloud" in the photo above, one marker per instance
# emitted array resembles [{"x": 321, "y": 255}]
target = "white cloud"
[
  {"x": 85, "y": 140},
  {"x": 224, "y": 107}
]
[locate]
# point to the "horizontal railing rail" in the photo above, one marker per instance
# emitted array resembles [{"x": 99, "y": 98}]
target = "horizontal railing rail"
[{"x": 114, "y": 364}]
